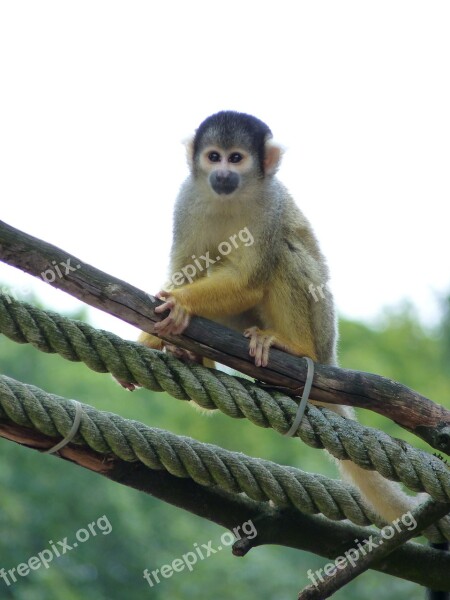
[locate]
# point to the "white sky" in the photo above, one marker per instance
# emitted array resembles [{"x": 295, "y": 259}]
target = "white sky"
[{"x": 95, "y": 97}]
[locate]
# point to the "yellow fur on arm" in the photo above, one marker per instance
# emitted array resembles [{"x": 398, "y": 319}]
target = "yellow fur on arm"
[
  {"x": 151, "y": 341},
  {"x": 218, "y": 295}
]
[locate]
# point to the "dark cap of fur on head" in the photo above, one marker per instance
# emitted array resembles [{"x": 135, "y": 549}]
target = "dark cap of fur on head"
[{"x": 229, "y": 128}]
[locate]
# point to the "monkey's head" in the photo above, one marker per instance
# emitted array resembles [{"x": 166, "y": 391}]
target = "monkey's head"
[{"x": 231, "y": 150}]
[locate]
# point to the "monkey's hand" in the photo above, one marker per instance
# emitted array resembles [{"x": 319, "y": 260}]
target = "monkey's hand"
[
  {"x": 126, "y": 384},
  {"x": 184, "y": 355},
  {"x": 262, "y": 340},
  {"x": 178, "y": 318}
]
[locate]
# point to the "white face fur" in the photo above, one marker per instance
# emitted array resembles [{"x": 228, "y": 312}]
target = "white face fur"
[{"x": 226, "y": 169}]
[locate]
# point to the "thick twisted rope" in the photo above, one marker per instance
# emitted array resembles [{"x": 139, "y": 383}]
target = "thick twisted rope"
[
  {"x": 206, "y": 464},
  {"x": 237, "y": 397}
]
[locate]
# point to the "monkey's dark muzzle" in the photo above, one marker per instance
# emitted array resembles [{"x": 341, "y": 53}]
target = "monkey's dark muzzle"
[{"x": 224, "y": 182}]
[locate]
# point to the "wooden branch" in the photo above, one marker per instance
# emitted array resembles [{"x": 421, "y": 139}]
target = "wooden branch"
[
  {"x": 287, "y": 527},
  {"x": 411, "y": 410},
  {"x": 380, "y": 549}
]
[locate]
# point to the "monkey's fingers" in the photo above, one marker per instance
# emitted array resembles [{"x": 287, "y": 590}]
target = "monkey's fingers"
[
  {"x": 260, "y": 343},
  {"x": 168, "y": 305},
  {"x": 177, "y": 320},
  {"x": 162, "y": 295},
  {"x": 165, "y": 306},
  {"x": 185, "y": 355},
  {"x": 181, "y": 320}
]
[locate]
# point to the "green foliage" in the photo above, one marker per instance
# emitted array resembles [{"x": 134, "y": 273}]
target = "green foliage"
[
  {"x": 44, "y": 498},
  {"x": 400, "y": 348}
]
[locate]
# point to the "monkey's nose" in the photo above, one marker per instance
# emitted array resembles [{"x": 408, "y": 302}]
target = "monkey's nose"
[{"x": 224, "y": 182}]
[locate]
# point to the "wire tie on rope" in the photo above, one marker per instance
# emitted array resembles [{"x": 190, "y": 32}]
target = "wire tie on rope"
[
  {"x": 304, "y": 399},
  {"x": 73, "y": 430}
]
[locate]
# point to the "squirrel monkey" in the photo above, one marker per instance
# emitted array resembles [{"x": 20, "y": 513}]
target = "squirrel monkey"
[{"x": 262, "y": 288}]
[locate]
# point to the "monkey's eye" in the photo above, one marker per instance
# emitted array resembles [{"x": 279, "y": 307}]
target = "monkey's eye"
[
  {"x": 214, "y": 157},
  {"x": 236, "y": 157}
]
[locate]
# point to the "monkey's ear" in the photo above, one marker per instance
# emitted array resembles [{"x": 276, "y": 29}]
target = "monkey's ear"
[
  {"x": 189, "y": 145},
  {"x": 273, "y": 153}
]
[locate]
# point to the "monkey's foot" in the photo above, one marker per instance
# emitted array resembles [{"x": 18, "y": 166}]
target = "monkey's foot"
[
  {"x": 262, "y": 340},
  {"x": 126, "y": 384},
  {"x": 260, "y": 343},
  {"x": 178, "y": 318},
  {"x": 186, "y": 356}
]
